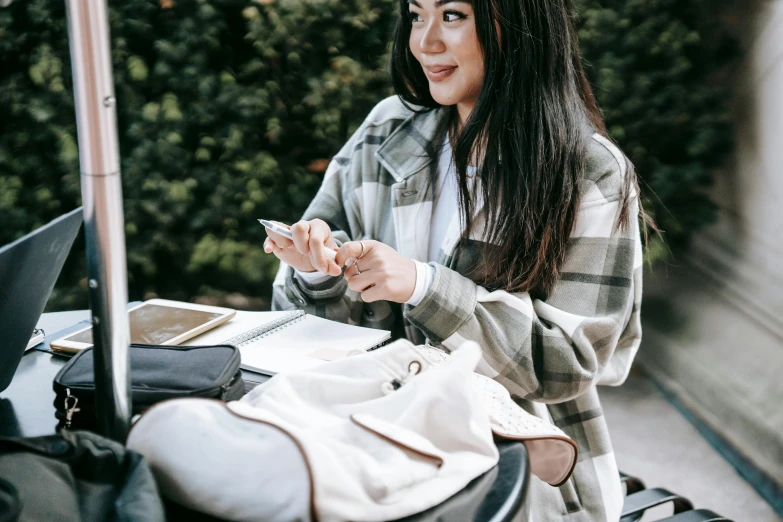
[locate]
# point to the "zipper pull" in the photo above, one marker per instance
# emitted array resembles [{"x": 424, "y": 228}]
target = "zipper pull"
[{"x": 70, "y": 407}]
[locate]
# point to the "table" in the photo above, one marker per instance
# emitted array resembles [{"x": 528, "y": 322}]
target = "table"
[{"x": 27, "y": 410}]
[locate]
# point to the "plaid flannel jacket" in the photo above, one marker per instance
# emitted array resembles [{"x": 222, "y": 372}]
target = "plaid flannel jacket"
[{"x": 549, "y": 353}]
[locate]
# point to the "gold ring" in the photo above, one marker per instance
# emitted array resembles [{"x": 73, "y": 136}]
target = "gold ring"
[
  {"x": 356, "y": 264},
  {"x": 362, "y": 254}
]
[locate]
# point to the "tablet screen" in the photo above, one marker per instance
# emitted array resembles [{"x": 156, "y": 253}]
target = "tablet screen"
[{"x": 155, "y": 324}]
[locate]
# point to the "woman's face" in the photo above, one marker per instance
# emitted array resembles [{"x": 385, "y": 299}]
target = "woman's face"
[{"x": 443, "y": 40}]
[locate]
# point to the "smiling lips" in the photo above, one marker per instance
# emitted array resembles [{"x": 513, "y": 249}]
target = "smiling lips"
[{"x": 437, "y": 73}]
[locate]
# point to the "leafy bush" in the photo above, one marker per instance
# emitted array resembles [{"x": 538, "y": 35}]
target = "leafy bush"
[
  {"x": 659, "y": 70},
  {"x": 230, "y": 109}
]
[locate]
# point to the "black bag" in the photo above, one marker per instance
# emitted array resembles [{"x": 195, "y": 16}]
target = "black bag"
[
  {"x": 157, "y": 373},
  {"x": 76, "y": 476}
]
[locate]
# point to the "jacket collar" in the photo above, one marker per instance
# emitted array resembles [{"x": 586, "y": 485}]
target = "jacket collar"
[
  {"x": 413, "y": 145},
  {"x": 411, "y": 149}
]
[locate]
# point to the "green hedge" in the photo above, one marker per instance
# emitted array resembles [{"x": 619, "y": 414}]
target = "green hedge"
[
  {"x": 229, "y": 110},
  {"x": 661, "y": 71}
]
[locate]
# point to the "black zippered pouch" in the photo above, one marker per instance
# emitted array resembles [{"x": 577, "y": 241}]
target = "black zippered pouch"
[{"x": 157, "y": 373}]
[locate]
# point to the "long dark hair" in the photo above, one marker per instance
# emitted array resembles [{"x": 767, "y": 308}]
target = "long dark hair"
[{"x": 531, "y": 124}]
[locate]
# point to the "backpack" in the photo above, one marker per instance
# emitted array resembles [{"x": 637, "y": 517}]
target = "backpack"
[{"x": 75, "y": 476}]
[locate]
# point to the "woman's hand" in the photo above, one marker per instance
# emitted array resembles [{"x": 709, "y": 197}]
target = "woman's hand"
[
  {"x": 307, "y": 251},
  {"x": 379, "y": 272}
]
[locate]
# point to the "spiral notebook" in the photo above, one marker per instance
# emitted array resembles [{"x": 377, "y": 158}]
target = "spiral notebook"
[{"x": 274, "y": 342}]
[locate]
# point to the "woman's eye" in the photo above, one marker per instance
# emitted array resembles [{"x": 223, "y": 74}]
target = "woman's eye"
[
  {"x": 452, "y": 16},
  {"x": 413, "y": 16}
]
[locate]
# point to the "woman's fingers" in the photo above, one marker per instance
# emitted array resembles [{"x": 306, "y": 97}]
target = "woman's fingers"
[
  {"x": 280, "y": 241},
  {"x": 351, "y": 272},
  {"x": 362, "y": 266},
  {"x": 318, "y": 252},
  {"x": 311, "y": 239},
  {"x": 348, "y": 250},
  {"x": 333, "y": 268},
  {"x": 322, "y": 259},
  {"x": 301, "y": 234},
  {"x": 361, "y": 282},
  {"x": 372, "y": 294},
  {"x": 321, "y": 255},
  {"x": 270, "y": 246},
  {"x": 354, "y": 249}
]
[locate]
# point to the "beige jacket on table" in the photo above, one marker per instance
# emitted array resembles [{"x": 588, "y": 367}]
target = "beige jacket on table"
[{"x": 549, "y": 353}]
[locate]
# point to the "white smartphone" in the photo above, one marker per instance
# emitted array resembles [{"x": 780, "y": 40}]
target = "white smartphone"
[
  {"x": 285, "y": 231},
  {"x": 157, "y": 321}
]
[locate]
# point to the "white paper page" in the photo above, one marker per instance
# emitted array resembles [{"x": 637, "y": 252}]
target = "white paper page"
[
  {"x": 239, "y": 324},
  {"x": 307, "y": 343}
]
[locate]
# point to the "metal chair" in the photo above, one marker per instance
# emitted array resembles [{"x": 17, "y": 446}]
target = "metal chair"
[
  {"x": 632, "y": 484},
  {"x": 636, "y": 504},
  {"x": 638, "y": 499},
  {"x": 696, "y": 515}
]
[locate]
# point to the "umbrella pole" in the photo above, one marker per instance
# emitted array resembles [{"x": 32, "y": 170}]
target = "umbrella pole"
[{"x": 96, "y": 123}]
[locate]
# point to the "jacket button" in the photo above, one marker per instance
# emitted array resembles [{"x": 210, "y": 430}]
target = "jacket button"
[{"x": 408, "y": 193}]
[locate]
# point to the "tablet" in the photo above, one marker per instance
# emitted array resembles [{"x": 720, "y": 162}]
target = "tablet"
[{"x": 157, "y": 321}]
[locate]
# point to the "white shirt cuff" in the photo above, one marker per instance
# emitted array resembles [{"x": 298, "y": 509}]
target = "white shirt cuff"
[
  {"x": 425, "y": 275},
  {"x": 312, "y": 278}
]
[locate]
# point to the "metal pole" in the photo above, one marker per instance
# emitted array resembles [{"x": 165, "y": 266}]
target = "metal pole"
[{"x": 96, "y": 123}]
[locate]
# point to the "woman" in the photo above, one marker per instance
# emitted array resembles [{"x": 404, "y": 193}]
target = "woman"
[{"x": 485, "y": 203}]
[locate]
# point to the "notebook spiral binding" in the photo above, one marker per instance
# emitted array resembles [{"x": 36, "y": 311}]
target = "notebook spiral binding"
[{"x": 266, "y": 329}]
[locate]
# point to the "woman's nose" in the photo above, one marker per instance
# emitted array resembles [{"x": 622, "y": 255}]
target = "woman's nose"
[{"x": 431, "y": 41}]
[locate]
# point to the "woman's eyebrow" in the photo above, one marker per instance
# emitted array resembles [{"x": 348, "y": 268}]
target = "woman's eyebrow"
[{"x": 440, "y": 3}]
